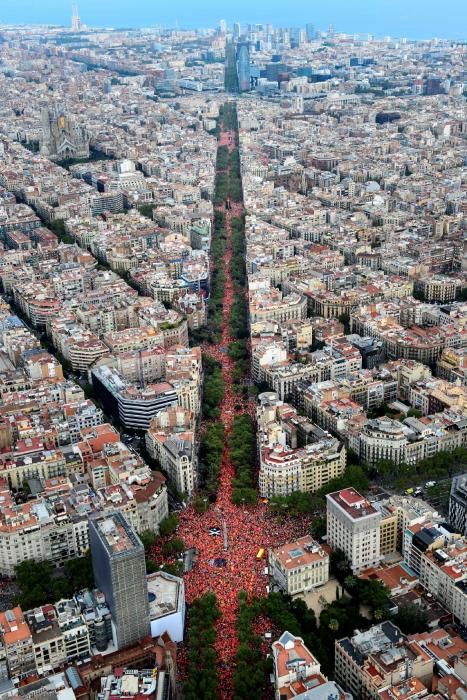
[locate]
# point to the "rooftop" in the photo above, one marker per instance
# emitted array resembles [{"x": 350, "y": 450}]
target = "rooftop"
[
  {"x": 353, "y": 503},
  {"x": 116, "y": 533},
  {"x": 164, "y": 591},
  {"x": 299, "y": 553}
]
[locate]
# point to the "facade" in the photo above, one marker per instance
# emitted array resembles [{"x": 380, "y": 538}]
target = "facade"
[
  {"x": 458, "y": 504},
  {"x": 295, "y": 454},
  {"x": 353, "y": 526},
  {"x": 243, "y": 67},
  {"x": 438, "y": 557},
  {"x": 410, "y": 440},
  {"x": 133, "y": 406},
  {"x": 40, "y": 534},
  {"x": 96, "y": 614},
  {"x": 293, "y": 665},
  {"x": 299, "y": 567},
  {"x": 47, "y": 638},
  {"x": 120, "y": 572},
  {"x": 436, "y": 288},
  {"x": 372, "y": 661},
  {"x": 176, "y": 454},
  {"x": 270, "y": 305},
  {"x": 62, "y": 137},
  {"x": 16, "y": 640},
  {"x": 309, "y": 468},
  {"x": 166, "y": 605}
]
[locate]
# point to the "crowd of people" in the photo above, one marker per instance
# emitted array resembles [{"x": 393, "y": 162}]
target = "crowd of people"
[{"x": 248, "y": 529}]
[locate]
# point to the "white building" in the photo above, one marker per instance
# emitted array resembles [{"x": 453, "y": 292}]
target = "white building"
[
  {"x": 353, "y": 527},
  {"x": 166, "y": 605}
]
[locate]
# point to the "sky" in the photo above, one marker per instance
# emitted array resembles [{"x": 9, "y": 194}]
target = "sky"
[{"x": 414, "y": 19}]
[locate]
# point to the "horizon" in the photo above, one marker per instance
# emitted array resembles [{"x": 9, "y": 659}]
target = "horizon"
[{"x": 420, "y": 21}]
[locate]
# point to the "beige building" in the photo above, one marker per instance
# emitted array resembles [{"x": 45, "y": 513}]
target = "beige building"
[
  {"x": 47, "y": 639},
  {"x": 175, "y": 453},
  {"x": 298, "y": 567},
  {"x": 388, "y": 534},
  {"x": 436, "y": 288},
  {"x": 270, "y": 305},
  {"x": 143, "y": 338},
  {"x": 284, "y": 469},
  {"x": 16, "y": 638}
]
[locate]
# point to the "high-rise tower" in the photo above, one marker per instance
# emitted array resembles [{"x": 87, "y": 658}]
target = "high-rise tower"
[
  {"x": 119, "y": 570},
  {"x": 243, "y": 66},
  {"x": 76, "y": 25}
]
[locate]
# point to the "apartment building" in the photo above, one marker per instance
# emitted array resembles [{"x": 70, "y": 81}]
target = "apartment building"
[
  {"x": 372, "y": 661},
  {"x": 134, "y": 407},
  {"x": 295, "y": 667},
  {"x": 458, "y": 504},
  {"x": 383, "y": 438},
  {"x": 40, "y": 463},
  {"x": 353, "y": 526},
  {"x": 74, "y": 630},
  {"x": 47, "y": 639},
  {"x": 436, "y": 288},
  {"x": 284, "y": 469},
  {"x": 409, "y": 511},
  {"x": 452, "y": 365},
  {"x": 175, "y": 452},
  {"x": 16, "y": 640},
  {"x": 270, "y": 305},
  {"x": 330, "y": 406},
  {"x": 439, "y": 558},
  {"x": 295, "y": 454},
  {"x": 131, "y": 339}
]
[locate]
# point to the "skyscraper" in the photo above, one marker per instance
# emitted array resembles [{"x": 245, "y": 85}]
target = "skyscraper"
[
  {"x": 310, "y": 31},
  {"x": 237, "y": 30},
  {"x": 243, "y": 67},
  {"x": 120, "y": 573},
  {"x": 222, "y": 26},
  {"x": 76, "y": 25}
]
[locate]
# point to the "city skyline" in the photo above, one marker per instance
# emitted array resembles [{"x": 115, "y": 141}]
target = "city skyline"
[
  {"x": 233, "y": 355},
  {"x": 420, "y": 20}
]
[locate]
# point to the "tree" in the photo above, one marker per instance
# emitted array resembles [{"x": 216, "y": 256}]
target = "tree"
[
  {"x": 79, "y": 573},
  {"x": 333, "y": 624},
  {"x": 168, "y": 525},
  {"x": 39, "y": 583},
  {"x": 319, "y": 528},
  {"x": 340, "y": 565},
  {"x": 411, "y": 619},
  {"x": 146, "y": 210},
  {"x": 345, "y": 320},
  {"x": 148, "y": 538},
  {"x": 34, "y": 580},
  {"x": 201, "y": 505},
  {"x": 249, "y": 674},
  {"x": 202, "y": 673},
  {"x": 350, "y": 583},
  {"x": 58, "y": 227}
]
